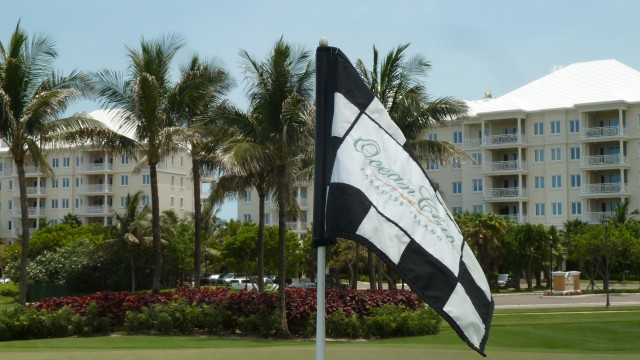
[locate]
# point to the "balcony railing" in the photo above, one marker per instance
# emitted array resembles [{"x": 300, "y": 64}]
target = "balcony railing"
[
  {"x": 596, "y": 132},
  {"x": 32, "y": 211},
  {"x": 518, "y": 218},
  {"x": 98, "y": 209},
  {"x": 97, "y": 188},
  {"x": 604, "y": 160},
  {"x": 96, "y": 166},
  {"x": 502, "y": 139},
  {"x": 510, "y": 165},
  {"x": 596, "y": 217},
  {"x": 505, "y": 193},
  {"x": 31, "y": 190},
  {"x": 472, "y": 143},
  {"x": 605, "y": 188},
  {"x": 293, "y": 225},
  {"x": 18, "y": 231}
]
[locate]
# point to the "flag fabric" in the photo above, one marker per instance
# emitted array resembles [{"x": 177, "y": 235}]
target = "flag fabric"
[{"x": 375, "y": 192}]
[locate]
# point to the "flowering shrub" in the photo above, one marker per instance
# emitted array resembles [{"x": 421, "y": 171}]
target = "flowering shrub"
[{"x": 224, "y": 310}]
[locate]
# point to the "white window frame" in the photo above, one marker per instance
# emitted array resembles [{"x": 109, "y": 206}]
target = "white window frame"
[
  {"x": 540, "y": 209},
  {"x": 538, "y": 155},
  {"x": 556, "y": 154},
  {"x": 539, "y": 182},
  {"x": 555, "y": 127},
  {"x": 538, "y": 129}
]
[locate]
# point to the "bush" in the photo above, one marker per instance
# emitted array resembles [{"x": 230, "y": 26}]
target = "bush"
[
  {"x": 261, "y": 324},
  {"x": 341, "y": 325},
  {"x": 215, "y": 319},
  {"x": 9, "y": 289},
  {"x": 392, "y": 321}
]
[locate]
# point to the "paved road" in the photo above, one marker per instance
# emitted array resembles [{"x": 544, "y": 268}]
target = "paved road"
[{"x": 538, "y": 300}]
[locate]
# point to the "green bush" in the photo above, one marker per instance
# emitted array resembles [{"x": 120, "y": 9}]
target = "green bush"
[
  {"x": 138, "y": 322},
  {"x": 394, "y": 321},
  {"x": 341, "y": 325},
  {"x": 172, "y": 318},
  {"x": 9, "y": 289},
  {"x": 58, "y": 323},
  {"x": 214, "y": 318},
  {"x": 263, "y": 325}
]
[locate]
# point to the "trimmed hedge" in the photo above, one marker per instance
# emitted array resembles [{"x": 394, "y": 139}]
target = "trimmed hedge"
[{"x": 350, "y": 314}]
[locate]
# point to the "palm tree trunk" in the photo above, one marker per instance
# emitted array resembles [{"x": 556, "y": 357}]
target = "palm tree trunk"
[
  {"x": 282, "y": 273},
  {"x": 380, "y": 273},
  {"x": 372, "y": 270},
  {"x": 261, "y": 198},
  {"x": 133, "y": 271},
  {"x": 24, "y": 217},
  {"x": 155, "y": 228},
  {"x": 197, "y": 219},
  {"x": 356, "y": 270}
]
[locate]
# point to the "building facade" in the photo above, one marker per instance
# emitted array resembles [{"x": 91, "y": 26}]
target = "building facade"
[
  {"x": 566, "y": 146},
  {"x": 89, "y": 183}
]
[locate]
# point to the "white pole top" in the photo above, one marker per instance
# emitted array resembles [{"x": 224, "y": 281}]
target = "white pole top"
[{"x": 324, "y": 41}]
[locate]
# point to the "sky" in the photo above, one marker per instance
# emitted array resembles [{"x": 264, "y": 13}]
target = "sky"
[{"x": 473, "y": 46}]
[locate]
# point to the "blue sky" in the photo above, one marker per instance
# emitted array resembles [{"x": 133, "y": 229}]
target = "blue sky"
[{"x": 474, "y": 46}]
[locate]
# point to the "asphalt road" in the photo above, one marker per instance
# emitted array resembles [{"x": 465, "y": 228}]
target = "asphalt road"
[{"x": 538, "y": 300}]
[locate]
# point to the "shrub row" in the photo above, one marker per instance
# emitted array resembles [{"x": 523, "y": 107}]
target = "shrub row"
[{"x": 350, "y": 314}]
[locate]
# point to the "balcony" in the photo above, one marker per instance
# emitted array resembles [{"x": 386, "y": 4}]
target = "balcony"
[
  {"x": 472, "y": 143},
  {"x": 28, "y": 171},
  {"x": 96, "y": 188},
  {"x": 596, "y": 217},
  {"x": 603, "y": 132},
  {"x": 510, "y": 165},
  {"x": 292, "y": 225},
  {"x": 32, "y": 211},
  {"x": 96, "y": 167},
  {"x": 601, "y": 189},
  {"x": 18, "y": 231},
  {"x": 504, "y": 193},
  {"x": 602, "y": 161},
  {"x": 517, "y": 218},
  {"x": 31, "y": 191},
  {"x": 97, "y": 210},
  {"x": 503, "y": 139}
]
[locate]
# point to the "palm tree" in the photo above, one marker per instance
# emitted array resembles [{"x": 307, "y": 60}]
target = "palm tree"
[
  {"x": 140, "y": 104},
  {"x": 398, "y": 83},
  {"x": 133, "y": 225},
  {"x": 280, "y": 90},
  {"x": 71, "y": 220},
  {"x": 32, "y": 97},
  {"x": 622, "y": 215},
  {"x": 483, "y": 233},
  {"x": 201, "y": 87}
]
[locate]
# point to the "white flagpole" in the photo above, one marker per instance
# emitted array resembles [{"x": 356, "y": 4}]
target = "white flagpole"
[{"x": 320, "y": 301}]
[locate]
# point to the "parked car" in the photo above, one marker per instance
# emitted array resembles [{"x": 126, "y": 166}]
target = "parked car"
[
  {"x": 303, "y": 285},
  {"x": 4, "y": 280},
  {"x": 505, "y": 281},
  {"x": 251, "y": 284},
  {"x": 218, "y": 282}
]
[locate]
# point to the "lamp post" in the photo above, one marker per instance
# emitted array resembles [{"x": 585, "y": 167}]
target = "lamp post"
[
  {"x": 605, "y": 222},
  {"x": 550, "y": 263}
]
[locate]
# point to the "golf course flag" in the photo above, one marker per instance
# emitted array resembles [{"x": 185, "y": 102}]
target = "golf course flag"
[{"x": 370, "y": 188}]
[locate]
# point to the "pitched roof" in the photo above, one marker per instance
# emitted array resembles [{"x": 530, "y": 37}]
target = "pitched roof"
[{"x": 580, "y": 83}]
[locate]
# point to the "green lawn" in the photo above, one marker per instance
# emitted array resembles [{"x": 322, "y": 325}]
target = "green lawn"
[{"x": 566, "y": 334}]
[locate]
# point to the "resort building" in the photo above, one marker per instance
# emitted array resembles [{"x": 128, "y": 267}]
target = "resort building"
[
  {"x": 90, "y": 183},
  {"x": 563, "y": 147},
  {"x": 566, "y": 146}
]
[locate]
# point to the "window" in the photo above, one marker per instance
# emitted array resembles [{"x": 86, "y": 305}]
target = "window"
[
  {"x": 576, "y": 208},
  {"x": 457, "y": 137},
  {"x": 78, "y": 202},
  {"x": 123, "y": 201},
  {"x": 477, "y": 209},
  {"x": 65, "y": 203},
  {"x": 574, "y": 126},
  {"x": 78, "y": 160},
  {"x": 246, "y": 217},
  {"x": 1, "y": 166},
  {"x": 124, "y": 160},
  {"x": 146, "y": 179},
  {"x": 433, "y": 165},
  {"x": 173, "y": 180},
  {"x": 181, "y": 181},
  {"x": 65, "y": 182},
  {"x": 55, "y": 162},
  {"x": 124, "y": 180},
  {"x": 54, "y": 183},
  {"x": 267, "y": 197},
  {"x": 575, "y": 153},
  {"x": 247, "y": 197},
  {"x": 54, "y": 203},
  {"x": 10, "y": 204},
  {"x": 538, "y": 155},
  {"x": 556, "y": 208},
  {"x": 556, "y": 154},
  {"x": 181, "y": 202},
  {"x": 477, "y": 159},
  {"x": 457, "y": 187},
  {"x": 181, "y": 161},
  {"x": 456, "y": 165},
  {"x": 433, "y": 136},
  {"x": 172, "y": 202},
  {"x": 575, "y": 180},
  {"x": 539, "y": 182},
  {"x": 538, "y": 128},
  {"x": 66, "y": 161},
  {"x": 267, "y": 218},
  {"x": 457, "y": 210},
  {"x": 10, "y": 184},
  {"x": 78, "y": 182},
  {"x": 145, "y": 201},
  {"x": 555, "y": 127},
  {"x": 477, "y": 185},
  {"x": 540, "y": 210},
  {"x": 556, "y": 181}
]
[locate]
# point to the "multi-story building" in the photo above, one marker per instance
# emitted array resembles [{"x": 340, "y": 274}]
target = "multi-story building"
[
  {"x": 566, "y": 146},
  {"x": 90, "y": 183}
]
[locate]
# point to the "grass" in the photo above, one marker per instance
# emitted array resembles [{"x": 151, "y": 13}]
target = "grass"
[{"x": 566, "y": 334}]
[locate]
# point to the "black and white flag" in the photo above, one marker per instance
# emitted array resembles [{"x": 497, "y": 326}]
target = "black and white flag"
[{"x": 369, "y": 188}]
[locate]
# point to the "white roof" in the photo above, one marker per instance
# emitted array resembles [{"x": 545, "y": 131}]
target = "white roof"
[
  {"x": 110, "y": 119},
  {"x": 580, "y": 83}
]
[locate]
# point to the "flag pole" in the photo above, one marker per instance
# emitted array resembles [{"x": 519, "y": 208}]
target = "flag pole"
[{"x": 320, "y": 185}]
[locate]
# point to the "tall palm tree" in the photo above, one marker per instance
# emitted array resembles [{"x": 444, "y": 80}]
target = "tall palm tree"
[
  {"x": 32, "y": 98},
  {"x": 140, "y": 104},
  {"x": 133, "y": 225},
  {"x": 397, "y": 81},
  {"x": 483, "y": 233},
  {"x": 201, "y": 87},
  {"x": 622, "y": 215},
  {"x": 280, "y": 89}
]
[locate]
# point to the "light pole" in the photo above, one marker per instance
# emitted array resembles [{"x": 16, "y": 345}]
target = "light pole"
[
  {"x": 605, "y": 222},
  {"x": 550, "y": 263}
]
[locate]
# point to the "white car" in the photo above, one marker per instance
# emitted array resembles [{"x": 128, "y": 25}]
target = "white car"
[
  {"x": 4, "y": 280},
  {"x": 251, "y": 284}
]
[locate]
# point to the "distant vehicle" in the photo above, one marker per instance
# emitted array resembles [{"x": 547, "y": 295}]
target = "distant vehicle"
[
  {"x": 303, "y": 285},
  {"x": 505, "y": 281},
  {"x": 4, "y": 280},
  {"x": 214, "y": 276},
  {"x": 251, "y": 284},
  {"x": 218, "y": 282}
]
